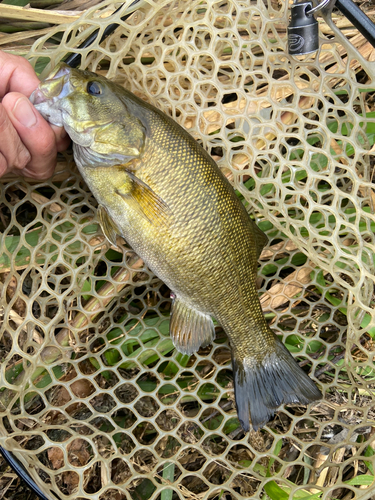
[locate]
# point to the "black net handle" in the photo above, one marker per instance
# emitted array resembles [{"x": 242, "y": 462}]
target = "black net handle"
[
  {"x": 358, "y": 18},
  {"x": 74, "y": 60},
  {"x": 21, "y": 472}
]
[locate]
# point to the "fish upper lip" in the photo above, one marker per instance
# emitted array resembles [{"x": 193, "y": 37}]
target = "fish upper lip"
[
  {"x": 60, "y": 70},
  {"x": 56, "y": 83},
  {"x": 37, "y": 97}
]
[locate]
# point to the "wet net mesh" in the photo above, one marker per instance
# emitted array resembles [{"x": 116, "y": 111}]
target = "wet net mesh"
[{"x": 94, "y": 398}]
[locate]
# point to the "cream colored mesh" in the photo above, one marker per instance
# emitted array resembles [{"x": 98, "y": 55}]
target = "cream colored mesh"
[{"x": 93, "y": 396}]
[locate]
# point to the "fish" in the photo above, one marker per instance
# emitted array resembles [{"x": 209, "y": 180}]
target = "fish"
[{"x": 163, "y": 193}]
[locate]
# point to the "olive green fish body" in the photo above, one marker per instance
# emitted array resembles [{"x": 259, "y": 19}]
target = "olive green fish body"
[
  {"x": 189, "y": 250},
  {"x": 166, "y": 196}
]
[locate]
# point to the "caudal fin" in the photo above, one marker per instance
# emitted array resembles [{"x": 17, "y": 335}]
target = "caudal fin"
[{"x": 261, "y": 387}]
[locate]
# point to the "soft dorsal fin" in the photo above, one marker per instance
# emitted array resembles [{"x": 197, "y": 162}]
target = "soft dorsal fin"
[
  {"x": 143, "y": 199},
  {"x": 261, "y": 239},
  {"x": 190, "y": 329},
  {"x": 108, "y": 226}
]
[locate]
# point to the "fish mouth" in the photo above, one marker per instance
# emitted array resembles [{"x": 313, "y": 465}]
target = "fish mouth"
[
  {"x": 48, "y": 94},
  {"x": 55, "y": 86},
  {"x": 49, "y": 99}
]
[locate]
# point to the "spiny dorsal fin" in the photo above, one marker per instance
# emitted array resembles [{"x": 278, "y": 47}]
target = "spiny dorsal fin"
[
  {"x": 108, "y": 226},
  {"x": 190, "y": 329},
  {"x": 144, "y": 200}
]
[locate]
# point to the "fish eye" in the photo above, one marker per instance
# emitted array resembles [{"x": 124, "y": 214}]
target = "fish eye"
[{"x": 93, "y": 88}]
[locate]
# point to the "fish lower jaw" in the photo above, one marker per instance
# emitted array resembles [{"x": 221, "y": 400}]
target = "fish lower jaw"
[{"x": 52, "y": 115}]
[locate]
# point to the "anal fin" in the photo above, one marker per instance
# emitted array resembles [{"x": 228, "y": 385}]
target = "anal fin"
[
  {"x": 190, "y": 329},
  {"x": 108, "y": 226}
]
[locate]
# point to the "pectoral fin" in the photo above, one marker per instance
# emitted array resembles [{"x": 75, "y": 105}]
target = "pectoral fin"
[
  {"x": 109, "y": 228},
  {"x": 144, "y": 200},
  {"x": 190, "y": 329}
]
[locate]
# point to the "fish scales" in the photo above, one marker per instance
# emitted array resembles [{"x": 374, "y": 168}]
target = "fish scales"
[
  {"x": 200, "y": 198},
  {"x": 166, "y": 196}
]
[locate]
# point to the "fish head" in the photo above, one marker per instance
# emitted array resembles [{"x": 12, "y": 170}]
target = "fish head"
[{"x": 95, "y": 114}]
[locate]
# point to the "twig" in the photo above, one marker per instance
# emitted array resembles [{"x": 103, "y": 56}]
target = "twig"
[
  {"x": 15, "y": 12},
  {"x": 335, "y": 360}
]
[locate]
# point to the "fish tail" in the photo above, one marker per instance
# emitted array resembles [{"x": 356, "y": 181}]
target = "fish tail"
[{"x": 261, "y": 386}]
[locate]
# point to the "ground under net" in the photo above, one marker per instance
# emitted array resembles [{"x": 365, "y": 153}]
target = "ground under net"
[{"x": 94, "y": 398}]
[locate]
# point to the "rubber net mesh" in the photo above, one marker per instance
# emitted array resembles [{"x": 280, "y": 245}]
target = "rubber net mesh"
[{"x": 94, "y": 398}]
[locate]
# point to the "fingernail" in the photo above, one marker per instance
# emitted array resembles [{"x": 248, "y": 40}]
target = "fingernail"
[{"x": 24, "y": 112}]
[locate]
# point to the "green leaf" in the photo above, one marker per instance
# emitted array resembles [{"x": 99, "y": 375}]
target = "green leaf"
[
  {"x": 41, "y": 378},
  {"x": 41, "y": 64},
  {"x": 294, "y": 343},
  {"x": 166, "y": 346},
  {"x": 22, "y": 256},
  {"x": 95, "y": 363},
  {"x": 164, "y": 328},
  {"x": 278, "y": 447},
  {"x": 20, "y": 3},
  {"x": 182, "y": 359},
  {"x": 131, "y": 348},
  {"x": 169, "y": 370},
  {"x": 345, "y": 92},
  {"x": 144, "y": 490},
  {"x": 314, "y": 346},
  {"x": 147, "y": 358},
  {"x": 231, "y": 425},
  {"x": 168, "y": 475},
  {"x": 147, "y": 385},
  {"x": 265, "y": 225},
  {"x": 150, "y": 338},
  {"x": 274, "y": 491},
  {"x": 13, "y": 372},
  {"x": 112, "y": 356},
  {"x": 364, "y": 479},
  {"x": 58, "y": 372},
  {"x": 115, "y": 336},
  {"x": 314, "y": 496},
  {"x": 151, "y": 321},
  {"x": 369, "y": 452},
  {"x": 86, "y": 287}
]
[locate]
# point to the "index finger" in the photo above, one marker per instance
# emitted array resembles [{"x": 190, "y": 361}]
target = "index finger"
[{"x": 16, "y": 75}]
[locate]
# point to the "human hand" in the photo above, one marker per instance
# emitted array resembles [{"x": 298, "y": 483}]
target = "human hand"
[{"x": 28, "y": 143}]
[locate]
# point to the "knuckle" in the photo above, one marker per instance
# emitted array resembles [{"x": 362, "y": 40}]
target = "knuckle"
[{"x": 14, "y": 61}]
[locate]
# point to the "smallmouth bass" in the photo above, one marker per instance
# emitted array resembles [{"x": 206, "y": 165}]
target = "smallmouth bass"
[{"x": 160, "y": 190}]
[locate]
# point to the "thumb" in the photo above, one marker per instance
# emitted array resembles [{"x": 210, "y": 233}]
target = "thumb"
[{"x": 35, "y": 133}]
